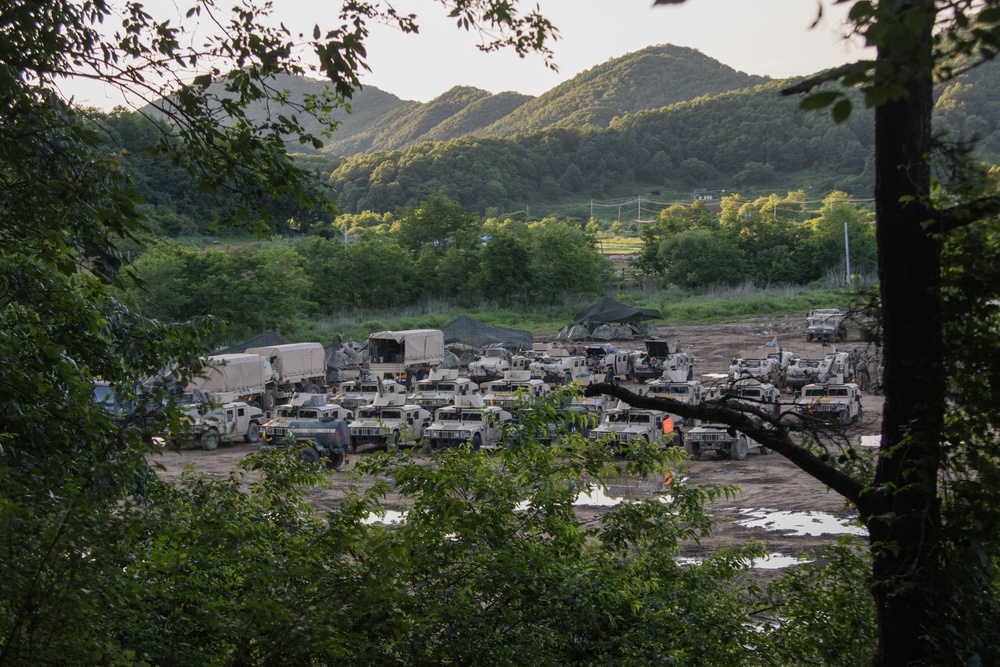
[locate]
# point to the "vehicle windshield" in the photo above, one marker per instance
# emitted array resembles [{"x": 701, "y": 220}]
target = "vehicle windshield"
[
  {"x": 750, "y": 393},
  {"x": 638, "y": 419},
  {"x": 448, "y": 417},
  {"x": 472, "y": 417},
  {"x": 369, "y": 413},
  {"x": 618, "y": 417},
  {"x": 815, "y": 393}
]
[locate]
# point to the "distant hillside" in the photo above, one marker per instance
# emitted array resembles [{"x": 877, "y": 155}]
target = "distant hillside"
[{"x": 654, "y": 77}]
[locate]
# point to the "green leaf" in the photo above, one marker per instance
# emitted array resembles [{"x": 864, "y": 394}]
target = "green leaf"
[
  {"x": 819, "y": 100},
  {"x": 841, "y": 111}
]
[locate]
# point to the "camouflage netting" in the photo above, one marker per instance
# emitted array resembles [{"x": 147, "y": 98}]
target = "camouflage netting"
[
  {"x": 266, "y": 339},
  {"x": 608, "y": 319},
  {"x": 477, "y": 334},
  {"x": 607, "y": 332},
  {"x": 608, "y": 311}
]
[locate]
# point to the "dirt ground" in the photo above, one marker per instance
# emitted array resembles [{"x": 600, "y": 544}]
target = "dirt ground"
[{"x": 777, "y": 505}]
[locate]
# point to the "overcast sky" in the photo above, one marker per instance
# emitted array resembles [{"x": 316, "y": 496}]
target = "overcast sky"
[{"x": 767, "y": 37}]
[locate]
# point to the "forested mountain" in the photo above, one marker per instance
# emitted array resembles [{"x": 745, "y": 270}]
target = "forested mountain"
[
  {"x": 651, "y": 78},
  {"x": 624, "y": 139},
  {"x": 751, "y": 138}
]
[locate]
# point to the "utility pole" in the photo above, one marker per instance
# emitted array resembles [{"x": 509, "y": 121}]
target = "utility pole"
[{"x": 847, "y": 253}]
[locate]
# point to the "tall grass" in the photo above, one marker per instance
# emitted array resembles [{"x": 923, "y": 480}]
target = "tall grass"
[{"x": 678, "y": 307}]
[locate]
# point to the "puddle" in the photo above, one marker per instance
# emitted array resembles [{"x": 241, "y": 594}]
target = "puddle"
[
  {"x": 389, "y": 518},
  {"x": 800, "y": 524},
  {"x": 777, "y": 562},
  {"x": 871, "y": 440},
  {"x": 715, "y": 376},
  {"x": 774, "y": 561}
]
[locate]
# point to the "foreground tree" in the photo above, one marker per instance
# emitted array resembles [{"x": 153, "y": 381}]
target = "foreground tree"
[{"x": 930, "y": 505}]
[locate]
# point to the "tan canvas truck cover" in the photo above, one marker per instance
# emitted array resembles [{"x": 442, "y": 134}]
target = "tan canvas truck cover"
[
  {"x": 236, "y": 373},
  {"x": 294, "y": 362},
  {"x": 396, "y": 351}
]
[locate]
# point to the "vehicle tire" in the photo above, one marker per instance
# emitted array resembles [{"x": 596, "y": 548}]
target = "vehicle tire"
[
  {"x": 312, "y": 389},
  {"x": 692, "y": 450},
  {"x": 209, "y": 440},
  {"x": 309, "y": 456},
  {"x": 392, "y": 442},
  {"x": 738, "y": 450},
  {"x": 253, "y": 433},
  {"x": 567, "y": 379},
  {"x": 335, "y": 460},
  {"x": 609, "y": 377},
  {"x": 268, "y": 401},
  {"x": 764, "y": 451},
  {"x": 477, "y": 443},
  {"x": 809, "y": 338}
]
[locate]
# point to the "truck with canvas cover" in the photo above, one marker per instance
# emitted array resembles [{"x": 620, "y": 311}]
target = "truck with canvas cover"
[
  {"x": 440, "y": 389},
  {"x": 389, "y": 421},
  {"x": 468, "y": 420},
  {"x": 295, "y": 367},
  {"x": 226, "y": 378},
  {"x": 406, "y": 356}
]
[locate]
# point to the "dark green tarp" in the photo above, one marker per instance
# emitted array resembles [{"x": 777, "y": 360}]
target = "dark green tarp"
[
  {"x": 474, "y": 333},
  {"x": 607, "y": 310}
]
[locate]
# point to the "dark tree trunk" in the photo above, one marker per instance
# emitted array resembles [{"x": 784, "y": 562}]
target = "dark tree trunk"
[{"x": 902, "y": 511}]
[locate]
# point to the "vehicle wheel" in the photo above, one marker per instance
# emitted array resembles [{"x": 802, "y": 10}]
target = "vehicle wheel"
[
  {"x": 477, "y": 443},
  {"x": 309, "y": 456},
  {"x": 809, "y": 338},
  {"x": 692, "y": 450},
  {"x": 253, "y": 433},
  {"x": 567, "y": 379},
  {"x": 335, "y": 460},
  {"x": 765, "y": 450},
  {"x": 609, "y": 377},
  {"x": 312, "y": 389},
  {"x": 210, "y": 440},
  {"x": 268, "y": 401},
  {"x": 738, "y": 450},
  {"x": 393, "y": 441}
]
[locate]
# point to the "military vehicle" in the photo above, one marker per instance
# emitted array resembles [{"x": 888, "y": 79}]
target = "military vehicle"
[
  {"x": 468, "y": 420},
  {"x": 606, "y": 363},
  {"x": 207, "y": 425},
  {"x": 624, "y": 424},
  {"x": 558, "y": 367},
  {"x": 406, "y": 356},
  {"x": 825, "y": 324},
  {"x": 322, "y": 441},
  {"x": 505, "y": 392},
  {"x": 690, "y": 392},
  {"x": 389, "y": 421},
  {"x": 833, "y": 404},
  {"x": 493, "y": 363},
  {"x": 725, "y": 440},
  {"x": 440, "y": 388}
]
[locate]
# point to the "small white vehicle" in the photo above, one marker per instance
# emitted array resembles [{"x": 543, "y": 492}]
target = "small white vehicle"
[
  {"x": 208, "y": 425},
  {"x": 755, "y": 393},
  {"x": 356, "y": 393},
  {"x": 468, "y": 420},
  {"x": 825, "y": 324},
  {"x": 757, "y": 365}
]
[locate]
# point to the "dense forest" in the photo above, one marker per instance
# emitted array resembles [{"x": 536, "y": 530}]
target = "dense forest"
[{"x": 662, "y": 122}]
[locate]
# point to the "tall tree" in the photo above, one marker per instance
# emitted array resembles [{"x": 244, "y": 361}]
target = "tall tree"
[{"x": 930, "y": 507}]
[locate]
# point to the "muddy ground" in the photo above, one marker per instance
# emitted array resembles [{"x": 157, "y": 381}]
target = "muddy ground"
[{"x": 772, "y": 492}]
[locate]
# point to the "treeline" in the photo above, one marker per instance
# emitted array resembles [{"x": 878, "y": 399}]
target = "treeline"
[
  {"x": 434, "y": 251},
  {"x": 766, "y": 241},
  {"x": 439, "y": 251}
]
